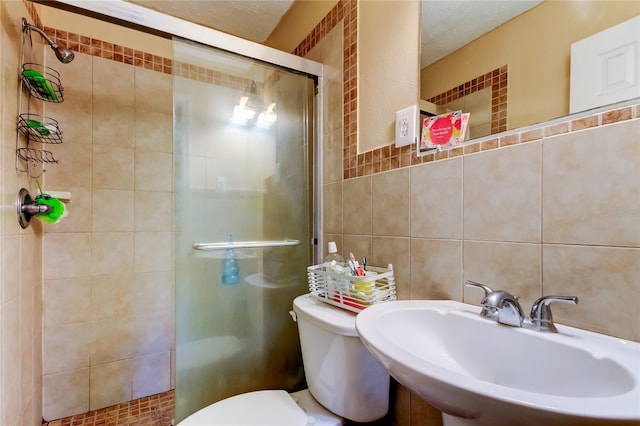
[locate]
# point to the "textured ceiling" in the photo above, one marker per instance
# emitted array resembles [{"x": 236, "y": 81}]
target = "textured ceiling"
[
  {"x": 449, "y": 25},
  {"x": 446, "y": 25},
  {"x": 252, "y": 20}
]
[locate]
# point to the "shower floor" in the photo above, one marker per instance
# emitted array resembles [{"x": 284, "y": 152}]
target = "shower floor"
[{"x": 154, "y": 410}]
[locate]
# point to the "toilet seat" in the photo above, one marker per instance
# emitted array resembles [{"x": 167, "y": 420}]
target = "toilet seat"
[{"x": 259, "y": 408}]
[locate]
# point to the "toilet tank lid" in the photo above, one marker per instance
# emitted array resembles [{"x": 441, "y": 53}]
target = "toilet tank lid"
[
  {"x": 259, "y": 408},
  {"x": 328, "y": 317}
]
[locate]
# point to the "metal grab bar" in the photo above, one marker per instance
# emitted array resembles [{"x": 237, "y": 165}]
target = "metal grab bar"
[{"x": 245, "y": 244}]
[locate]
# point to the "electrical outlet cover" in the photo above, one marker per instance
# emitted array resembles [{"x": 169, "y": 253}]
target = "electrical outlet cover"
[{"x": 406, "y": 126}]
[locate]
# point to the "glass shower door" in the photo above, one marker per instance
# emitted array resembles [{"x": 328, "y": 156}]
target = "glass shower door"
[{"x": 242, "y": 167}]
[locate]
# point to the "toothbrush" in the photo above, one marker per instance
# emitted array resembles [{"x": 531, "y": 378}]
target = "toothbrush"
[
  {"x": 356, "y": 265},
  {"x": 352, "y": 266}
]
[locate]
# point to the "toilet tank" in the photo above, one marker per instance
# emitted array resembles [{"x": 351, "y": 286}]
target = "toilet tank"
[{"x": 341, "y": 373}]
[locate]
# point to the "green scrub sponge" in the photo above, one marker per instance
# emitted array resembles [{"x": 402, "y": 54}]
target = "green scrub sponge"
[
  {"x": 38, "y": 127},
  {"x": 57, "y": 209},
  {"x": 40, "y": 84}
]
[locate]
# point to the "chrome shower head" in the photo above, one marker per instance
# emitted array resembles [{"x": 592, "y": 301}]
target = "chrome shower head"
[{"x": 63, "y": 54}]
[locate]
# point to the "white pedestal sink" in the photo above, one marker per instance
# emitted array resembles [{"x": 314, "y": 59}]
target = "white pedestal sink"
[{"x": 478, "y": 372}]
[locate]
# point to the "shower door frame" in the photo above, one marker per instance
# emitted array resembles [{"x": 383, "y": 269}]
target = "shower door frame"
[{"x": 130, "y": 15}]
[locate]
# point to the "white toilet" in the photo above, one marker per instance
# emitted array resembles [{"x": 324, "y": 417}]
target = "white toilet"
[{"x": 344, "y": 379}]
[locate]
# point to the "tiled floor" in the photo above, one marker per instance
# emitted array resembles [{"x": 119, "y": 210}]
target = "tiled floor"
[{"x": 154, "y": 410}]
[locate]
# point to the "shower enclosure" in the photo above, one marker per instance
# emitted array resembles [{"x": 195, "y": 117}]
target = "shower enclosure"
[
  {"x": 245, "y": 135},
  {"x": 243, "y": 166}
]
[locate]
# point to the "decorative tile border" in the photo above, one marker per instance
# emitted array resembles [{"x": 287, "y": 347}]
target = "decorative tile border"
[
  {"x": 31, "y": 10},
  {"x": 114, "y": 52},
  {"x": 126, "y": 55},
  {"x": 346, "y": 11},
  {"x": 138, "y": 58},
  {"x": 151, "y": 410},
  {"x": 570, "y": 125},
  {"x": 497, "y": 80},
  {"x": 100, "y": 48},
  {"x": 335, "y": 15},
  {"x": 209, "y": 76}
]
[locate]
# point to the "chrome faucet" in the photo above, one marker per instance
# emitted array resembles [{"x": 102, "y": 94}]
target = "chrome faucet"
[
  {"x": 500, "y": 305},
  {"x": 509, "y": 309},
  {"x": 487, "y": 312},
  {"x": 541, "y": 318},
  {"x": 504, "y": 308}
]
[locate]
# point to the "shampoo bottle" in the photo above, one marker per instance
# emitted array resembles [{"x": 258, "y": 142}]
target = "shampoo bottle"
[{"x": 230, "y": 270}]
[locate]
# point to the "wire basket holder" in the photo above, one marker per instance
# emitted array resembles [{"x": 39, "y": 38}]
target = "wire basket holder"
[
  {"x": 40, "y": 128},
  {"x": 42, "y": 82},
  {"x": 33, "y": 157},
  {"x": 350, "y": 292}
]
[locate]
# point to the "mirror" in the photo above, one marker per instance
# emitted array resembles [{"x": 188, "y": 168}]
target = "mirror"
[{"x": 518, "y": 73}]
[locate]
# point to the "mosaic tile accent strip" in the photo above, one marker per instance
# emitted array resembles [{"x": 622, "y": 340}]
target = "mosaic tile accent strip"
[
  {"x": 518, "y": 137},
  {"x": 346, "y": 11},
  {"x": 138, "y": 58},
  {"x": 154, "y": 410},
  {"x": 350, "y": 76},
  {"x": 390, "y": 158},
  {"x": 31, "y": 9},
  {"x": 209, "y": 76},
  {"x": 100, "y": 48},
  {"x": 332, "y": 18},
  {"x": 114, "y": 52},
  {"x": 498, "y": 81}
]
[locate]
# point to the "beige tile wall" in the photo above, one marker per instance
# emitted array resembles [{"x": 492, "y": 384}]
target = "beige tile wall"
[
  {"x": 20, "y": 250},
  {"x": 108, "y": 267},
  {"x": 542, "y": 217}
]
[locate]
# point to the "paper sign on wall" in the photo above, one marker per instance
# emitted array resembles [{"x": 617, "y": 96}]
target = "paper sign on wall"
[{"x": 443, "y": 131}]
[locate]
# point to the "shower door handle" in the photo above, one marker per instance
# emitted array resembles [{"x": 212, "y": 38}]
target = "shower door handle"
[{"x": 245, "y": 244}]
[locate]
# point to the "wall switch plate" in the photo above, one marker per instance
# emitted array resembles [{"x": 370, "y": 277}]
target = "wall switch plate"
[{"x": 407, "y": 126}]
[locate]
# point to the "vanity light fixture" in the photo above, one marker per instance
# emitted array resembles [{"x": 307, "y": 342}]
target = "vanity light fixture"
[
  {"x": 242, "y": 113},
  {"x": 247, "y": 109},
  {"x": 267, "y": 119}
]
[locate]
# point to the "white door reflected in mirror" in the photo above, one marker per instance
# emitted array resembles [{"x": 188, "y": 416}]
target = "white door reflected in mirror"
[{"x": 605, "y": 67}]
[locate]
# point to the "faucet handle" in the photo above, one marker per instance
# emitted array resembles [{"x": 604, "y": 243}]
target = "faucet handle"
[
  {"x": 486, "y": 289},
  {"x": 487, "y": 312},
  {"x": 541, "y": 317}
]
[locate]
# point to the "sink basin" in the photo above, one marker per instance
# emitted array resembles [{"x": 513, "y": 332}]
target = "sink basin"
[{"x": 479, "y": 372}]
